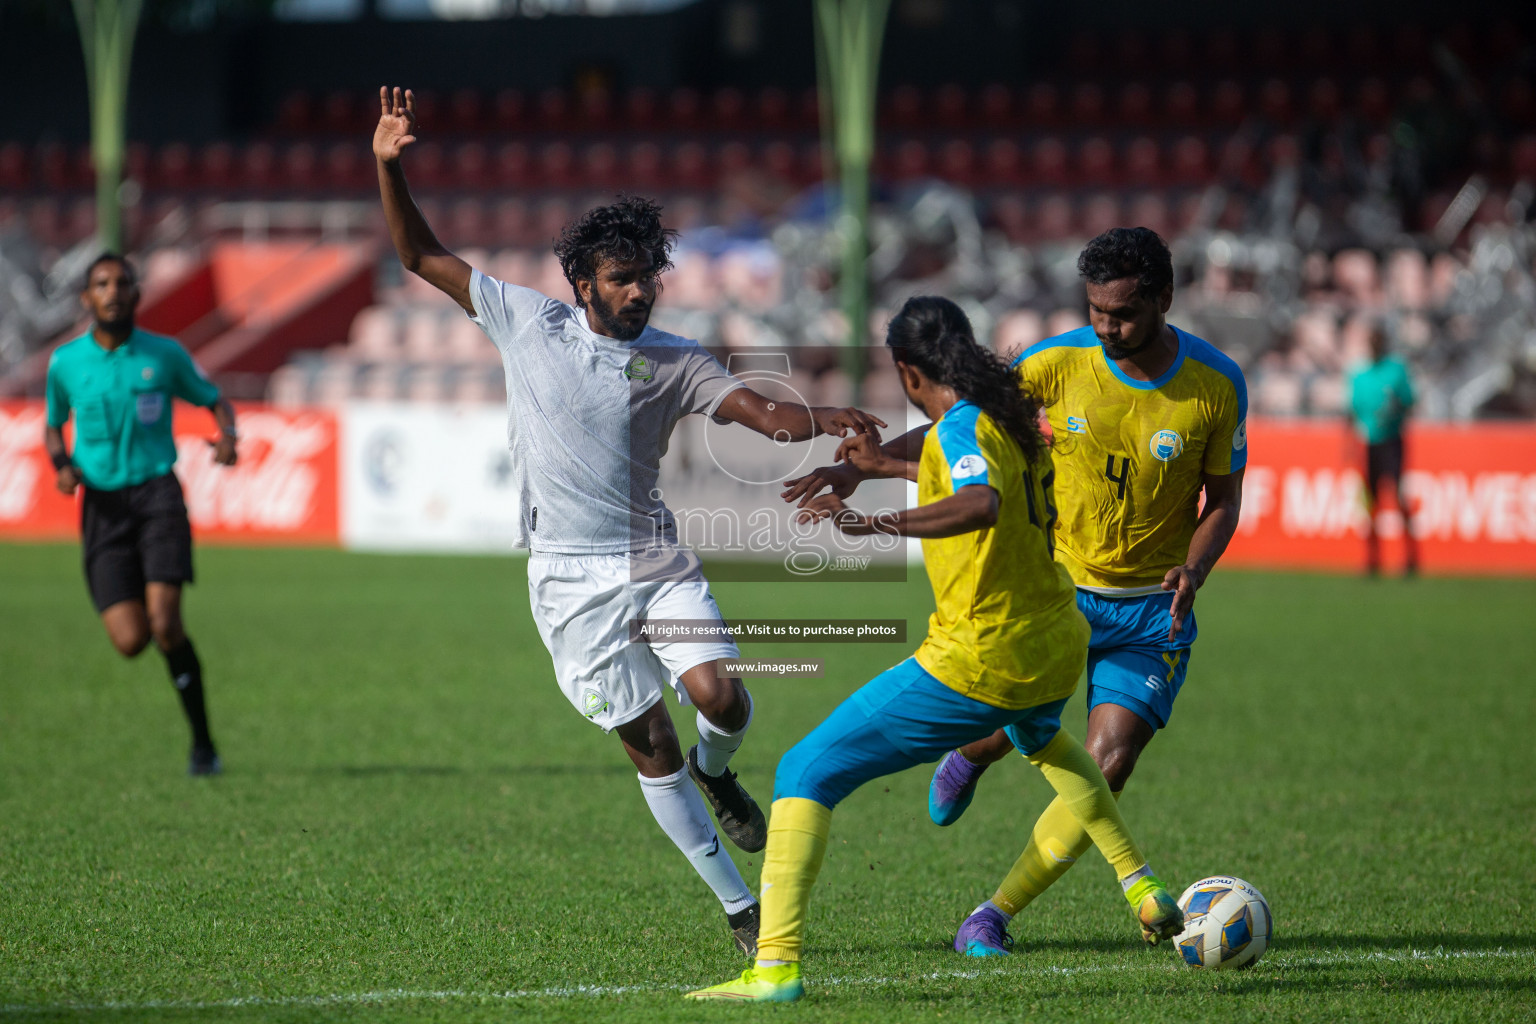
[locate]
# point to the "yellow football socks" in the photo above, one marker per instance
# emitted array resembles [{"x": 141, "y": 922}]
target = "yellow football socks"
[
  {"x": 797, "y": 843},
  {"x": 1083, "y": 814}
]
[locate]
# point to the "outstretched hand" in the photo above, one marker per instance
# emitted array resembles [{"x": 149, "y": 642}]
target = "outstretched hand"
[
  {"x": 840, "y": 422},
  {"x": 397, "y": 122}
]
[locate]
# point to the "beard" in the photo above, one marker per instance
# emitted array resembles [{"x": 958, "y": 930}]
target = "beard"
[
  {"x": 624, "y": 325},
  {"x": 1118, "y": 352}
]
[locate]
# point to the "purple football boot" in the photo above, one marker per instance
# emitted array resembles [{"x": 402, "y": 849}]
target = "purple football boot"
[
  {"x": 953, "y": 785},
  {"x": 984, "y": 933}
]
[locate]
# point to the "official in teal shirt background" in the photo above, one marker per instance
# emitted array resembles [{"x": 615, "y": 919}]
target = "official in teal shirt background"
[
  {"x": 1380, "y": 399},
  {"x": 118, "y": 383}
]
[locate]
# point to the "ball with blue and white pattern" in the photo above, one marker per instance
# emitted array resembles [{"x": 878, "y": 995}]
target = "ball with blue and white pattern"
[{"x": 1226, "y": 924}]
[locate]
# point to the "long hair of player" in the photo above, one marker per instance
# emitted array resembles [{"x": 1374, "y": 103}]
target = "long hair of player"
[{"x": 934, "y": 335}]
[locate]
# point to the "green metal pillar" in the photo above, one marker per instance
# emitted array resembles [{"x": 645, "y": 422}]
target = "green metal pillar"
[
  {"x": 107, "y": 28},
  {"x": 849, "y": 34}
]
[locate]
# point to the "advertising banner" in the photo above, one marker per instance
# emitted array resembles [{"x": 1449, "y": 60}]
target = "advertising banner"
[
  {"x": 283, "y": 489},
  {"x": 1470, "y": 492},
  {"x": 403, "y": 477}
]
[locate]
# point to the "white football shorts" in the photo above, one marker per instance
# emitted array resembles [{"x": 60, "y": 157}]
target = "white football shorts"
[{"x": 583, "y": 605}]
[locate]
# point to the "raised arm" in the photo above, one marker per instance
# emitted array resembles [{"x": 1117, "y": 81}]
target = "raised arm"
[
  {"x": 418, "y": 247},
  {"x": 971, "y": 508}
]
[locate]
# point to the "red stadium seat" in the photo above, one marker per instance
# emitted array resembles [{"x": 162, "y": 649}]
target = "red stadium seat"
[
  {"x": 514, "y": 166},
  {"x": 1004, "y": 163},
  {"x": 136, "y": 162},
  {"x": 1191, "y": 162},
  {"x": 1143, "y": 162},
  {"x": 54, "y": 170},
  {"x": 729, "y": 109},
  {"x": 466, "y": 113},
  {"x": 690, "y": 165},
  {"x": 1181, "y": 105},
  {"x": 810, "y": 109},
  {"x": 429, "y": 166},
  {"x": 996, "y": 105},
  {"x": 779, "y": 160},
  {"x": 553, "y": 110},
  {"x": 296, "y": 113},
  {"x": 904, "y": 107},
  {"x": 641, "y": 109},
  {"x": 513, "y": 225},
  {"x": 684, "y": 108},
  {"x": 771, "y": 108},
  {"x": 1237, "y": 160},
  {"x": 950, "y": 106},
  {"x": 509, "y": 110},
  {"x": 1284, "y": 151},
  {"x": 1053, "y": 218},
  {"x": 469, "y": 225},
  {"x": 348, "y": 167},
  {"x": 1011, "y": 218},
  {"x": 429, "y": 111},
  {"x": 910, "y": 161},
  {"x": 1150, "y": 210},
  {"x": 1088, "y": 104},
  {"x": 216, "y": 167},
  {"x": 734, "y": 158},
  {"x": 1135, "y": 105},
  {"x": 594, "y": 106},
  {"x": 1100, "y": 213},
  {"x": 1373, "y": 101},
  {"x": 1275, "y": 101},
  {"x": 600, "y": 165},
  {"x": 338, "y": 115},
  {"x": 15, "y": 174},
  {"x": 1522, "y": 158},
  {"x": 957, "y": 162},
  {"x": 1096, "y": 161},
  {"x": 472, "y": 167},
  {"x": 1050, "y": 161},
  {"x": 1227, "y": 102},
  {"x": 300, "y": 167},
  {"x": 1323, "y": 100},
  {"x": 644, "y": 165},
  {"x": 173, "y": 167},
  {"x": 258, "y": 167},
  {"x": 557, "y": 165},
  {"x": 1042, "y": 106},
  {"x": 812, "y": 165}
]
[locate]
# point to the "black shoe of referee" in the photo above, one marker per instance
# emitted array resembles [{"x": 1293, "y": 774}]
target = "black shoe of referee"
[
  {"x": 204, "y": 761},
  {"x": 740, "y": 818}
]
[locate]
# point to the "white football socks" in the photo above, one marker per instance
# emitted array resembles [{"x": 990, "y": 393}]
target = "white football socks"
[
  {"x": 716, "y": 745},
  {"x": 679, "y": 810}
]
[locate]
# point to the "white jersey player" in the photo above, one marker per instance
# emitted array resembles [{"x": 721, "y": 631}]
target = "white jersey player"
[{"x": 593, "y": 393}]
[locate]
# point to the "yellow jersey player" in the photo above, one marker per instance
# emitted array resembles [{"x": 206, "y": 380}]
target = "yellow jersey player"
[
  {"x": 1004, "y": 649},
  {"x": 1144, "y": 416}
]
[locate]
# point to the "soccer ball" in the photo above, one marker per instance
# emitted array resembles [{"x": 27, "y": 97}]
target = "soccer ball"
[{"x": 1226, "y": 923}]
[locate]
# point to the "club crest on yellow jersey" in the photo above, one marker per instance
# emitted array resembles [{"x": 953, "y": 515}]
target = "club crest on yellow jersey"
[{"x": 1166, "y": 445}]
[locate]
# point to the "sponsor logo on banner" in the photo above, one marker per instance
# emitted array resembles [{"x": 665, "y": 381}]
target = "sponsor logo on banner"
[
  {"x": 284, "y": 484},
  {"x": 25, "y": 473}
]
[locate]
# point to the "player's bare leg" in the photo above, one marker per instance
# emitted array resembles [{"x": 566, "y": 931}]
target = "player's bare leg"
[
  {"x": 725, "y": 712},
  {"x": 650, "y": 740},
  {"x": 1410, "y": 542},
  {"x": 127, "y": 625}
]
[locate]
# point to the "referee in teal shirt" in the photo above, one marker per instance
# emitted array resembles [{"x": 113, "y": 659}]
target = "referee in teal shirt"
[
  {"x": 118, "y": 382},
  {"x": 1380, "y": 399}
]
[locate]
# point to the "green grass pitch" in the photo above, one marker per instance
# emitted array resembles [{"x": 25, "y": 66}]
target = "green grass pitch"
[{"x": 414, "y": 825}]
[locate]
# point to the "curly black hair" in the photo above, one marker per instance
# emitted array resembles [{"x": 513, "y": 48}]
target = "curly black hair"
[
  {"x": 1128, "y": 252},
  {"x": 621, "y": 231},
  {"x": 934, "y": 335}
]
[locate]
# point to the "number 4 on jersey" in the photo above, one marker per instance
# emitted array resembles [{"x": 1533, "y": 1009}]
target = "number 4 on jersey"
[{"x": 1121, "y": 477}]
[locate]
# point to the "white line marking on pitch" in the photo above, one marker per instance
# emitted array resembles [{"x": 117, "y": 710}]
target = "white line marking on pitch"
[{"x": 400, "y": 995}]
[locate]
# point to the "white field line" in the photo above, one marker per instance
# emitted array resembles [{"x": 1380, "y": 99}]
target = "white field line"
[{"x": 400, "y": 995}]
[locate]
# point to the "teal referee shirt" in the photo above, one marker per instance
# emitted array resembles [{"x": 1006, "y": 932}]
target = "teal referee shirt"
[{"x": 122, "y": 404}]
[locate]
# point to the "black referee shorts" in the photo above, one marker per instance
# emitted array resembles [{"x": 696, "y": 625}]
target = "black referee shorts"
[
  {"x": 134, "y": 536},
  {"x": 1383, "y": 461}
]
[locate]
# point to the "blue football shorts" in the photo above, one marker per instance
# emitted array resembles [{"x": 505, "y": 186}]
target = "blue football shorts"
[
  {"x": 1131, "y": 661},
  {"x": 901, "y": 718}
]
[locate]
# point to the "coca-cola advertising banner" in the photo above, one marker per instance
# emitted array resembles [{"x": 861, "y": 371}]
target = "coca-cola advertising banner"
[
  {"x": 407, "y": 477},
  {"x": 283, "y": 489}
]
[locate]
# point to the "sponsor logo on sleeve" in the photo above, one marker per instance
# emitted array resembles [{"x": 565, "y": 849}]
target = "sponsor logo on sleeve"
[
  {"x": 968, "y": 466},
  {"x": 1240, "y": 437}
]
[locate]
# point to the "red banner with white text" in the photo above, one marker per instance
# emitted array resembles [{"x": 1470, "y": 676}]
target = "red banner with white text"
[
  {"x": 1471, "y": 490},
  {"x": 283, "y": 489}
]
